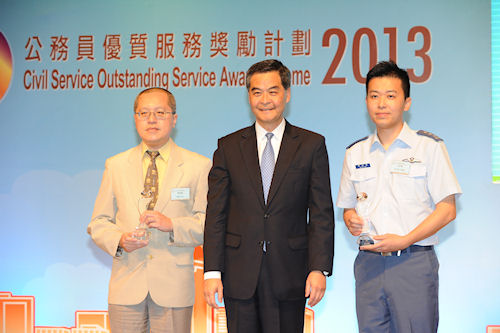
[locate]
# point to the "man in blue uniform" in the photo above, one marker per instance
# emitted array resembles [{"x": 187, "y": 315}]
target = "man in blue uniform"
[{"x": 408, "y": 182}]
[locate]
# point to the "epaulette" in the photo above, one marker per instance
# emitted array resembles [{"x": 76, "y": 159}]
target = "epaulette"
[
  {"x": 430, "y": 135},
  {"x": 352, "y": 144}
]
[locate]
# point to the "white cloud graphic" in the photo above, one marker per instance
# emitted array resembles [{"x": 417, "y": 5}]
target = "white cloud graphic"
[
  {"x": 65, "y": 288},
  {"x": 46, "y": 251}
]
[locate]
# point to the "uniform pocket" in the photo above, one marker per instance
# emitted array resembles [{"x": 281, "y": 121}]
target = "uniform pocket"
[
  {"x": 412, "y": 186},
  {"x": 364, "y": 180}
]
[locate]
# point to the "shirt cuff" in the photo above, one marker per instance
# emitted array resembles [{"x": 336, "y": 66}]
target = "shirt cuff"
[
  {"x": 212, "y": 275},
  {"x": 119, "y": 251}
]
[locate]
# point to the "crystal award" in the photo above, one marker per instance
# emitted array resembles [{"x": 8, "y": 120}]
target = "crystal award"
[
  {"x": 362, "y": 211},
  {"x": 142, "y": 231}
]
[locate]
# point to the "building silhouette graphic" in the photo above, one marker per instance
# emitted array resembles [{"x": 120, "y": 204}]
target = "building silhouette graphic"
[{"x": 17, "y": 313}]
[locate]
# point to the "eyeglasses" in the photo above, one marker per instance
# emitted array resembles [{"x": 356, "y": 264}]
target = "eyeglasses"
[{"x": 160, "y": 114}]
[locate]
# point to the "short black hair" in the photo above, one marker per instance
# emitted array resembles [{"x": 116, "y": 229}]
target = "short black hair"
[
  {"x": 390, "y": 69},
  {"x": 270, "y": 65}
]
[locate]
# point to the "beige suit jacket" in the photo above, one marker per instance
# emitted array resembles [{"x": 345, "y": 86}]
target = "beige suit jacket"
[{"x": 164, "y": 268}]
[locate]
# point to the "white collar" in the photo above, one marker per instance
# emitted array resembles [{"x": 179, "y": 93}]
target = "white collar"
[
  {"x": 405, "y": 137},
  {"x": 260, "y": 132}
]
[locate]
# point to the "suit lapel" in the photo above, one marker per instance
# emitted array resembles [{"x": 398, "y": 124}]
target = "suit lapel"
[
  {"x": 248, "y": 147},
  {"x": 288, "y": 148},
  {"x": 137, "y": 184},
  {"x": 171, "y": 178}
]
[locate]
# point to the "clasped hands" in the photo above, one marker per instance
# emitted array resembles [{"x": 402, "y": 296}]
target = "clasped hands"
[
  {"x": 152, "y": 219},
  {"x": 384, "y": 243}
]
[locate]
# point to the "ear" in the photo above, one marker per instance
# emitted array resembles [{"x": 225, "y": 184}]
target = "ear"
[
  {"x": 287, "y": 92},
  {"x": 174, "y": 120},
  {"x": 407, "y": 104}
]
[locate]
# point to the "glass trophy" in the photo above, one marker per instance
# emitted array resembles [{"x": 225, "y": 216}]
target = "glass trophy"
[
  {"x": 142, "y": 231},
  {"x": 362, "y": 211}
]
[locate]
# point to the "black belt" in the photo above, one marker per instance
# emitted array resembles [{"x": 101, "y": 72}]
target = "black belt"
[{"x": 413, "y": 248}]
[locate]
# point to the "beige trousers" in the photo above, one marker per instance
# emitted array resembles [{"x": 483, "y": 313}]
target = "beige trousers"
[{"x": 147, "y": 317}]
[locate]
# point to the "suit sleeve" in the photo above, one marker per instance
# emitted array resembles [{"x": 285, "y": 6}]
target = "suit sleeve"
[
  {"x": 321, "y": 218},
  {"x": 102, "y": 227},
  {"x": 219, "y": 183},
  {"x": 188, "y": 230}
]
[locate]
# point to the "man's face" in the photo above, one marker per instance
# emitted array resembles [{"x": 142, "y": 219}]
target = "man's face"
[
  {"x": 154, "y": 132},
  {"x": 386, "y": 102},
  {"x": 268, "y": 98}
]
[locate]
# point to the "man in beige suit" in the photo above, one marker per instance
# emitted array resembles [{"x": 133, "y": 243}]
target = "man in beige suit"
[{"x": 152, "y": 280}]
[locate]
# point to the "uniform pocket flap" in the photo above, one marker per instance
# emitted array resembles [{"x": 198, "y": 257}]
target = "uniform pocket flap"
[
  {"x": 363, "y": 174},
  {"x": 418, "y": 170}
]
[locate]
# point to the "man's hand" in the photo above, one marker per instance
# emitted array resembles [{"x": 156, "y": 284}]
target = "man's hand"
[
  {"x": 315, "y": 287},
  {"x": 213, "y": 286},
  {"x": 353, "y": 221},
  {"x": 387, "y": 243},
  {"x": 129, "y": 243},
  {"x": 156, "y": 220},
  {"x": 444, "y": 213}
]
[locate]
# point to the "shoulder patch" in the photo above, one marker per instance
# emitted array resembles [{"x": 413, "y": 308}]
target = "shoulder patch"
[
  {"x": 352, "y": 144},
  {"x": 429, "y": 135}
]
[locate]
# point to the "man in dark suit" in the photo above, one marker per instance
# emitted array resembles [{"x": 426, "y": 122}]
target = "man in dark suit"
[{"x": 262, "y": 254}]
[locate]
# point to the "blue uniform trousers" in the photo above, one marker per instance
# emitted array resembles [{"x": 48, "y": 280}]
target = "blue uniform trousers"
[{"x": 397, "y": 293}]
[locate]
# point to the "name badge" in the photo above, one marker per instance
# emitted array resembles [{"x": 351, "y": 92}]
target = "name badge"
[
  {"x": 400, "y": 167},
  {"x": 179, "y": 193}
]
